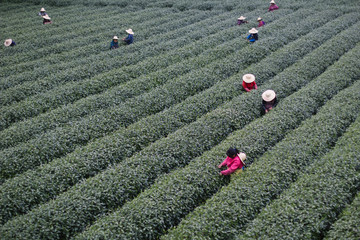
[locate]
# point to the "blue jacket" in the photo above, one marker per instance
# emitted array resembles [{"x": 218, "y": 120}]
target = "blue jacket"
[
  {"x": 253, "y": 37},
  {"x": 129, "y": 39},
  {"x": 114, "y": 45}
]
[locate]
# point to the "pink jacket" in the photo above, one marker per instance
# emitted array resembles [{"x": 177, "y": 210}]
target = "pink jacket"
[
  {"x": 232, "y": 163},
  {"x": 273, "y": 7}
]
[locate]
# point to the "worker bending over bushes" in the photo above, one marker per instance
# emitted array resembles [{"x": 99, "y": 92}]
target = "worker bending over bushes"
[
  {"x": 273, "y": 6},
  {"x": 249, "y": 82},
  {"x": 47, "y": 19},
  {"x": 269, "y": 100},
  {"x": 114, "y": 43},
  {"x": 234, "y": 162},
  {"x": 42, "y": 12},
  {"x": 130, "y": 38},
  {"x": 241, "y": 20},
  {"x": 261, "y": 22},
  {"x": 9, "y": 43},
  {"x": 253, "y": 36}
]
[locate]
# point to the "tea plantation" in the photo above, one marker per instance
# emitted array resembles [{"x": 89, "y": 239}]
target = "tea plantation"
[{"x": 125, "y": 143}]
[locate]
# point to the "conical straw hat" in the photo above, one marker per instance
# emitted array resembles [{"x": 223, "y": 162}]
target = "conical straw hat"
[
  {"x": 272, "y": 1},
  {"x": 8, "y": 42},
  {"x": 248, "y": 78},
  {"x": 259, "y": 19},
  {"x": 242, "y": 156},
  {"x": 115, "y": 37},
  {"x": 268, "y": 95},
  {"x": 42, "y": 10},
  {"x": 242, "y": 18},
  {"x": 129, "y": 31},
  {"x": 253, "y": 30}
]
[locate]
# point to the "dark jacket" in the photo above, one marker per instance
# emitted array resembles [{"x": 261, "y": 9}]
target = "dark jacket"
[
  {"x": 253, "y": 37},
  {"x": 268, "y": 105},
  {"x": 129, "y": 39},
  {"x": 114, "y": 45}
]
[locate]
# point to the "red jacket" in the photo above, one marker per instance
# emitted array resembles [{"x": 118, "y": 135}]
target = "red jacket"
[
  {"x": 261, "y": 23},
  {"x": 249, "y": 86},
  {"x": 273, "y": 7},
  {"x": 232, "y": 163}
]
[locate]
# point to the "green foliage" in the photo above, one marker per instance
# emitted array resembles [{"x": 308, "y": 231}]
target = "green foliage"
[
  {"x": 312, "y": 203},
  {"x": 272, "y": 173},
  {"x": 65, "y": 139},
  {"x": 347, "y": 226},
  {"x": 154, "y": 116},
  {"x": 160, "y": 157},
  {"x": 108, "y": 62},
  {"x": 176, "y": 194},
  {"x": 23, "y": 131},
  {"x": 136, "y": 136}
]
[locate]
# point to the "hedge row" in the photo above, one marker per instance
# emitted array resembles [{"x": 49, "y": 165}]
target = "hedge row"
[
  {"x": 67, "y": 17},
  {"x": 93, "y": 33},
  {"x": 220, "y": 218},
  {"x": 174, "y": 195},
  {"x": 311, "y": 204},
  {"x": 98, "y": 41},
  {"x": 23, "y": 131},
  {"x": 347, "y": 226},
  {"x": 143, "y": 132},
  {"x": 25, "y": 18},
  {"x": 48, "y": 82},
  {"x": 154, "y": 127},
  {"x": 40, "y": 103},
  {"x": 65, "y": 139},
  {"x": 129, "y": 178}
]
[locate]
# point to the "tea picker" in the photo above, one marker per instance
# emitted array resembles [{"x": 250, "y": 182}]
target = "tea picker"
[{"x": 234, "y": 162}]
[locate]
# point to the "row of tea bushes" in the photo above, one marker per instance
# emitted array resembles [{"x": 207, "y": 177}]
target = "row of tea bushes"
[
  {"x": 124, "y": 143},
  {"x": 73, "y": 91},
  {"x": 168, "y": 201},
  {"x": 94, "y": 33},
  {"x": 50, "y": 81},
  {"x": 65, "y": 139},
  {"x": 126, "y": 181},
  {"x": 280, "y": 166},
  {"x": 347, "y": 226},
  {"x": 193, "y": 55},
  {"x": 312, "y": 203},
  {"x": 154, "y": 127}
]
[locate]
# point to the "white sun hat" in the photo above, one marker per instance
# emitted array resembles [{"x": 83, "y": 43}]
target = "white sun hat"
[
  {"x": 42, "y": 10},
  {"x": 272, "y": 1},
  {"x": 242, "y": 156},
  {"x": 129, "y": 31},
  {"x": 46, "y": 17},
  {"x": 8, "y": 42},
  {"x": 242, "y": 18},
  {"x": 248, "y": 78},
  {"x": 259, "y": 19},
  {"x": 115, "y": 37},
  {"x": 253, "y": 30},
  {"x": 268, "y": 95}
]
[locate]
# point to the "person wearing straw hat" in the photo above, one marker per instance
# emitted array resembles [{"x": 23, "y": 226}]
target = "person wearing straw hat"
[
  {"x": 269, "y": 100},
  {"x": 241, "y": 20},
  {"x": 253, "y": 36},
  {"x": 273, "y": 6},
  {"x": 47, "y": 19},
  {"x": 249, "y": 82},
  {"x": 261, "y": 22},
  {"x": 42, "y": 12},
  {"x": 130, "y": 38},
  {"x": 114, "y": 43},
  {"x": 9, "y": 43},
  {"x": 234, "y": 161}
]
